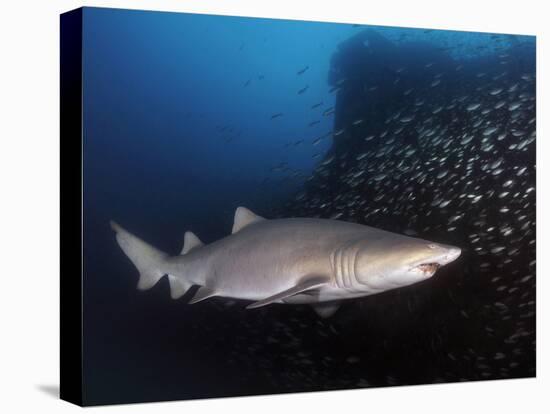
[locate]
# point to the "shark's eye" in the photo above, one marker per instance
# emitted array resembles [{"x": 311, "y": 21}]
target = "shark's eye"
[{"x": 431, "y": 246}]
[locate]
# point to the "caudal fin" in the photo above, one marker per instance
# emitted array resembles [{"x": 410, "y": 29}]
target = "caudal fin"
[{"x": 147, "y": 259}]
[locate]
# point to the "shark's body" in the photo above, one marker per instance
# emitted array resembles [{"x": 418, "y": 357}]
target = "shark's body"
[{"x": 294, "y": 261}]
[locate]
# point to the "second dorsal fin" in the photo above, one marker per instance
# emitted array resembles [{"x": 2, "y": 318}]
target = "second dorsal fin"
[
  {"x": 243, "y": 218},
  {"x": 190, "y": 241}
]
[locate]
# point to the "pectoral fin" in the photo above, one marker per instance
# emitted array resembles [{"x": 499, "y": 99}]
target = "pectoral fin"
[
  {"x": 307, "y": 284},
  {"x": 326, "y": 310}
]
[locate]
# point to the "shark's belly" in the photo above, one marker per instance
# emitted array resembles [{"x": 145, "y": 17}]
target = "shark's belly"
[
  {"x": 252, "y": 280},
  {"x": 255, "y": 272}
]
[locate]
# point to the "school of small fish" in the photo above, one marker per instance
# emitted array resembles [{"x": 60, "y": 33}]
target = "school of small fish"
[
  {"x": 454, "y": 161},
  {"x": 451, "y": 158}
]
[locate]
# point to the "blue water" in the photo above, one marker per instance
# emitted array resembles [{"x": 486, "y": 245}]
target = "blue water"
[
  {"x": 179, "y": 130},
  {"x": 159, "y": 87}
]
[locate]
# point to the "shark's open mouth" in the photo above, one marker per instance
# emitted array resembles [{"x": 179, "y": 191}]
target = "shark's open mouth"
[{"x": 429, "y": 267}]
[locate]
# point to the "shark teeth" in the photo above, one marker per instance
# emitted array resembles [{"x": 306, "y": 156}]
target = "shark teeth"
[{"x": 429, "y": 267}]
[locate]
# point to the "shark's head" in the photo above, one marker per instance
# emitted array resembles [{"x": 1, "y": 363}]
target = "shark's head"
[{"x": 393, "y": 262}]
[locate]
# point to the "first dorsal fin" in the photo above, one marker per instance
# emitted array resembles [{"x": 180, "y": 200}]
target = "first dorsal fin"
[
  {"x": 243, "y": 218},
  {"x": 190, "y": 241}
]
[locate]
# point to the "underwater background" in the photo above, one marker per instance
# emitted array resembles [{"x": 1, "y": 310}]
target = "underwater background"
[{"x": 422, "y": 132}]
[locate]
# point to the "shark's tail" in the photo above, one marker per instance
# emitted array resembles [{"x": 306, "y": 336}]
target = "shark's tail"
[
  {"x": 152, "y": 264},
  {"x": 148, "y": 260}
]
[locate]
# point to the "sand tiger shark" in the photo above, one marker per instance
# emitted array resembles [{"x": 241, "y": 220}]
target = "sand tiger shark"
[{"x": 292, "y": 261}]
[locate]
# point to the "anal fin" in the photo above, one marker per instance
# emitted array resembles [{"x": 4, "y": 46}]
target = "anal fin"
[
  {"x": 178, "y": 287},
  {"x": 307, "y": 284}
]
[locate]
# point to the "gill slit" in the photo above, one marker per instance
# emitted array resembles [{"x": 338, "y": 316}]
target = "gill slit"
[
  {"x": 340, "y": 265},
  {"x": 354, "y": 268},
  {"x": 355, "y": 284},
  {"x": 336, "y": 268},
  {"x": 345, "y": 264}
]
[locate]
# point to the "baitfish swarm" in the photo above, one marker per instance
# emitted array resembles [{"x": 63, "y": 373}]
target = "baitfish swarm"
[{"x": 450, "y": 155}]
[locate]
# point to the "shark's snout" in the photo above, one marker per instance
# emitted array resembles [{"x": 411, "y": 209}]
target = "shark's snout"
[
  {"x": 445, "y": 254},
  {"x": 441, "y": 256},
  {"x": 453, "y": 253}
]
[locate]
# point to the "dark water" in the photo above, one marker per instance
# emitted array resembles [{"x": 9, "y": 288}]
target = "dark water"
[{"x": 427, "y": 133}]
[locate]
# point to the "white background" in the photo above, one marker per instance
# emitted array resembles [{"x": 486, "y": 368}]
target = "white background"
[{"x": 29, "y": 206}]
